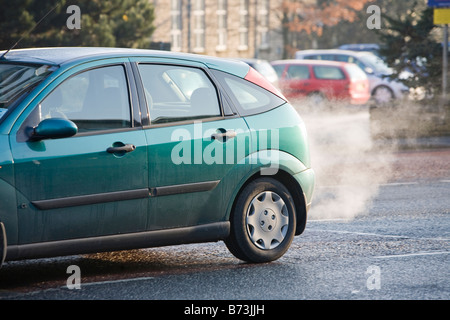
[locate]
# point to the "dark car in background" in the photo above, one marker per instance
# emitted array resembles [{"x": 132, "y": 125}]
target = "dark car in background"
[{"x": 264, "y": 68}]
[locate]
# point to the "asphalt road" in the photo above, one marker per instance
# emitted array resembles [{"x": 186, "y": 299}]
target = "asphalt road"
[
  {"x": 391, "y": 241},
  {"x": 399, "y": 248}
]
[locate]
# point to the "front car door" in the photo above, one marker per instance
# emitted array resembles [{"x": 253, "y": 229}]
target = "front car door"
[
  {"x": 298, "y": 81},
  {"x": 91, "y": 184}
]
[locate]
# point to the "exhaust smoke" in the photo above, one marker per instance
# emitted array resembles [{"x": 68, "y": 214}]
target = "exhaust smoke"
[{"x": 349, "y": 169}]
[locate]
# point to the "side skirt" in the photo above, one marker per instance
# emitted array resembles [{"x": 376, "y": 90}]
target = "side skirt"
[
  {"x": 202, "y": 233},
  {"x": 2, "y": 243}
]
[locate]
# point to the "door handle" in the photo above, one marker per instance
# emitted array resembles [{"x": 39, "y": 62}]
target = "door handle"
[
  {"x": 121, "y": 149},
  {"x": 223, "y": 135}
]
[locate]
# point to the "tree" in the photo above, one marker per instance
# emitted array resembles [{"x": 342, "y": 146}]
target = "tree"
[
  {"x": 312, "y": 16},
  {"x": 119, "y": 23},
  {"x": 408, "y": 44}
]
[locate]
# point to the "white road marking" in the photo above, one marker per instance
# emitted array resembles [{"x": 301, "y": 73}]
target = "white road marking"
[
  {"x": 114, "y": 281},
  {"x": 378, "y": 235},
  {"x": 424, "y": 253}
]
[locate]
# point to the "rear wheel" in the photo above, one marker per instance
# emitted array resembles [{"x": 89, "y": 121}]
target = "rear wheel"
[
  {"x": 263, "y": 222},
  {"x": 383, "y": 95}
]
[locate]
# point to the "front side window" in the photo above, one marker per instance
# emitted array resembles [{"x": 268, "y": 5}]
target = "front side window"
[
  {"x": 176, "y": 93},
  {"x": 298, "y": 72},
  {"x": 96, "y": 99},
  {"x": 18, "y": 79},
  {"x": 328, "y": 73}
]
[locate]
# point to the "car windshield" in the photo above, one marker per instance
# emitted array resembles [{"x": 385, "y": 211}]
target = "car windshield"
[
  {"x": 17, "y": 79},
  {"x": 376, "y": 63}
]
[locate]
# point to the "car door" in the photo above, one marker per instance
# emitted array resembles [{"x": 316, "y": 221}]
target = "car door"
[
  {"x": 194, "y": 146},
  {"x": 297, "y": 81},
  {"x": 93, "y": 183},
  {"x": 331, "y": 80}
]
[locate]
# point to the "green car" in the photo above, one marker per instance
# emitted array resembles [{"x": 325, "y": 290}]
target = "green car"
[{"x": 106, "y": 149}]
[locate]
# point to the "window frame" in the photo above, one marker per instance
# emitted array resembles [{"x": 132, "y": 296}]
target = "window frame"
[{"x": 226, "y": 111}]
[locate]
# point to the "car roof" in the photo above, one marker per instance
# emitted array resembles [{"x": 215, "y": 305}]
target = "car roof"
[
  {"x": 65, "y": 55},
  {"x": 310, "y": 62},
  {"x": 331, "y": 51}
]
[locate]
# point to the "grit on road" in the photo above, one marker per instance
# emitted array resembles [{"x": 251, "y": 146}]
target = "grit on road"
[{"x": 379, "y": 228}]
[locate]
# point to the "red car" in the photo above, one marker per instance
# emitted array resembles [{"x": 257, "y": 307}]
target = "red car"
[{"x": 330, "y": 80}]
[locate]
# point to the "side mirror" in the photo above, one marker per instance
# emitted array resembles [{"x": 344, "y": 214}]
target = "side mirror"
[
  {"x": 369, "y": 70},
  {"x": 54, "y": 128}
]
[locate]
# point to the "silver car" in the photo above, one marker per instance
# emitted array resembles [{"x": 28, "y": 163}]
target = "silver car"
[{"x": 382, "y": 88}]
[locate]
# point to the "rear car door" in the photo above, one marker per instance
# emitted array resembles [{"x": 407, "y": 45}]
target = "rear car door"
[
  {"x": 332, "y": 80},
  {"x": 195, "y": 145},
  {"x": 93, "y": 183}
]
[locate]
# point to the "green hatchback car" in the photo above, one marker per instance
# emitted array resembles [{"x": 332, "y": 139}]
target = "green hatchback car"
[{"x": 107, "y": 149}]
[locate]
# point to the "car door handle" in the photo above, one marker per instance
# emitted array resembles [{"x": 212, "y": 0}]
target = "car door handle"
[
  {"x": 122, "y": 149},
  {"x": 223, "y": 136}
]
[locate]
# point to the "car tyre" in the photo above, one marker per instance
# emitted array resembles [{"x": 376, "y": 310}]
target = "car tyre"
[
  {"x": 263, "y": 222},
  {"x": 383, "y": 95}
]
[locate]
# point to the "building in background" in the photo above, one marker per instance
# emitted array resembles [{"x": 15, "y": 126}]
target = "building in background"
[{"x": 223, "y": 28}]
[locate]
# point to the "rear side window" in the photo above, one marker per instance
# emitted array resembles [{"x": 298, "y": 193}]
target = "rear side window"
[
  {"x": 328, "y": 73},
  {"x": 248, "y": 97},
  {"x": 176, "y": 93},
  {"x": 312, "y": 57}
]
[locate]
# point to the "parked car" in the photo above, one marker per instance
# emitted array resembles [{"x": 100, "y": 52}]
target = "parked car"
[
  {"x": 369, "y": 47},
  {"x": 105, "y": 149},
  {"x": 328, "y": 80},
  {"x": 264, "y": 67},
  {"x": 382, "y": 88}
]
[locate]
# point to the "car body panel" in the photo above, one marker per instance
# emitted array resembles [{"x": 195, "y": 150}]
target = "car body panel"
[
  {"x": 8, "y": 204},
  {"x": 186, "y": 155}
]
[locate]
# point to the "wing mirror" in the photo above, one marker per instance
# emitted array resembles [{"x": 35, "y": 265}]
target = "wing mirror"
[
  {"x": 369, "y": 70},
  {"x": 54, "y": 128}
]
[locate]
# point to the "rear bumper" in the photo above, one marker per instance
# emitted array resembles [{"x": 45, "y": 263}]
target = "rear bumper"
[{"x": 359, "y": 98}]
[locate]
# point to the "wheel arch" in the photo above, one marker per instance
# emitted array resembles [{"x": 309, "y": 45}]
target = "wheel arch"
[{"x": 294, "y": 188}]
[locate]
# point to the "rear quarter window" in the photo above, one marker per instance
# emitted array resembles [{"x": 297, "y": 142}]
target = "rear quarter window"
[{"x": 247, "y": 97}]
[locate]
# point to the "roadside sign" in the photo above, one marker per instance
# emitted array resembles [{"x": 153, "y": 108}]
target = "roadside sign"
[
  {"x": 439, "y": 3},
  {"x": 441, "y": 16}
]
